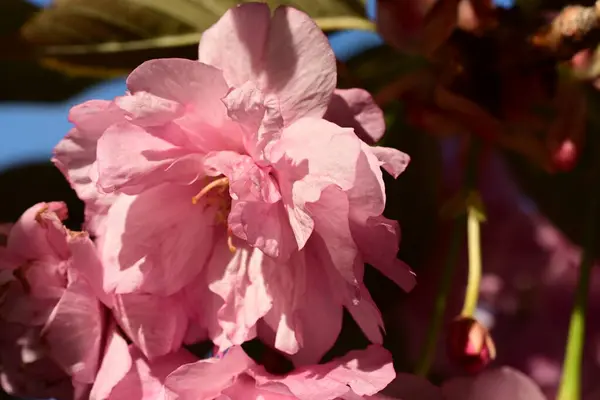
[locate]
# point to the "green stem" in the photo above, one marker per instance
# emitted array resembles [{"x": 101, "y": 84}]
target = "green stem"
[
  {"x": 456, "y": 240},
  {"x": 435, "y": 324},
  {"x": 570, "y": 383},
  {"x": 474, "y": 278}
]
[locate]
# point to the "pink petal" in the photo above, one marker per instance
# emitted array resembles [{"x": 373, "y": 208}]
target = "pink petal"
[
  {"x": 146, "y": 109},
  {"x": 392, "y": 160},
  {"x": 238, "y": 279},
  {"x": 84, "y": 259},
  {"x": 331, "y": 214},
  {"x": 187, "y": 82},
  {"x": 94, "y": 117},
  {"x": 496, "y": 384},
  {"x": 160, "y": 254},
  {"x": 203, "y": 321},
  {"x": 317, "y": 307},
  {"x": 116, "y": 362},
  {"x": 75, "y": 156},
  {"x": 206, "y": 379},
  {"x": 34, "y": 235},
  {"x": 264, "y": 226},
  {"x": 145, "y": 379},
  {"x": 247, "y": 180},
  {"x": 366, "y": 314},
  {"x": 307, "y": 162},
  {"x": 360, "y": 372},
  {"x": 367, "y": 197},
  {"x": 289, "y": 56},
  {"x": 287, "y": 284},
  {"x": 378, "y": 239},
  {"x": 236, "y": 43},
  {"x": 299, "y": 65},
  {"x": 259, "y": 116},
  {"x": 131, "y": 160},
  {"x": 356, "y": 109},
  {"x": 155, "y": 324},
  {"x": 74, "y": 332},
  {"x": 245, "y": 388},
  {"x": 409, "y": 387}
]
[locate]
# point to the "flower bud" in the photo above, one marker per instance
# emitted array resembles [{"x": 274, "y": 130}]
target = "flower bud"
[
  {"x": 566, "y": 155},
  {"x": 469, "y": 344}
]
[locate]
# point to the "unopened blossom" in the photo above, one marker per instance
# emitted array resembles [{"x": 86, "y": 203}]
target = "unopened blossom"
[
  {"x": 218, "y": 184},
  {"x": 49, "y": 312},
  {"x": 469, "y": 344}
]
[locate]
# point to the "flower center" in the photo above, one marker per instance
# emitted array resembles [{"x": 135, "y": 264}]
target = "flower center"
[{"x": 223, "y": 203}]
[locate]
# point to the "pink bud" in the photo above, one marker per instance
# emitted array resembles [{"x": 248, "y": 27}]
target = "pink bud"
[
  {"x": 565, "y": 156},
  {"x": 470, "y": 345}
]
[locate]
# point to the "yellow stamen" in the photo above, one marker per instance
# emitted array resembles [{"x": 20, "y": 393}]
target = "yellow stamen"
[
  {"x": 221, "y": 182},
  {"x": 232, "y": 248}
]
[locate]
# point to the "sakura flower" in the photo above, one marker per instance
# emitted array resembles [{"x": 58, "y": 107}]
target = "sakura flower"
[
  {"x": 235, "y": 376},
  {"x": 220, "y": 185},
  {"x": 126, "y": 374},
  {"x": 49, "y": 299}
]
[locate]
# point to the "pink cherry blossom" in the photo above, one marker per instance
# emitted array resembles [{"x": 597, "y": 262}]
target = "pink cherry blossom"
[
  {"x": 218, "y": 185},
  {"x": 48, "y": 299},
  {"x": 235, "y": 376}
]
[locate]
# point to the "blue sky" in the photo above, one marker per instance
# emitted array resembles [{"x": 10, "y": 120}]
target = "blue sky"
[{"x": 32, "y": 130}]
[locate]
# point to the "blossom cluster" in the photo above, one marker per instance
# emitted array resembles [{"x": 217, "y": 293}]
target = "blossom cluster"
[
  {"x": 232, "y": 198},
  {"x": 231, "y": 202}
]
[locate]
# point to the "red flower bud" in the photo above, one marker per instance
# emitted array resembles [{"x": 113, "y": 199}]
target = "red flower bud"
[
  {"x": 470, "y": 345},
  {"x": 565, "y": 157}
]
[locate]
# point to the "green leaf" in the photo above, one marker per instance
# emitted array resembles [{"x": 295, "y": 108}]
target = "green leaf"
[
  {"x": 25, "y": 80},
  {"x": 91, "y": 37}
]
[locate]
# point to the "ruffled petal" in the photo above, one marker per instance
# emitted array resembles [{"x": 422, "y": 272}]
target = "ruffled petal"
[
  {"x": 74, "y": 332},
  {"x": 236, "y": 43},
  {"x": 145, "y": 379},
  {"x": 238, "y": 279},
  {"x": 258, "y": 115},
  {"x": 155, "y": 324},
  {"x": 206, "y": 379},
  {"x": 75, "y": 157},
  {"x": 116, "y": 362},
  {"x": 378, "y": 240},
  {"x": 187, "y": 82},
  {"x": 392, "y": 160},
  {"x": 311, "y": 155},
  {"x": 146, "y": 109},
  {"x": 131, "y": 160},
  {"x": 360, "y": 372},
  {"x": 356, "y": 109},
  {"x": 159, "y": 255},
  {"x": 299, "y": 65}
]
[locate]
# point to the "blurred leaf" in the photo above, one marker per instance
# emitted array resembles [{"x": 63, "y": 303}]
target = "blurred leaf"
[
  {"x": 377, "y": 67},
  {"x": 26, "y": 80},
  {"x": 565, "y": 197},
  {"x": 121, "y": 34}
]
